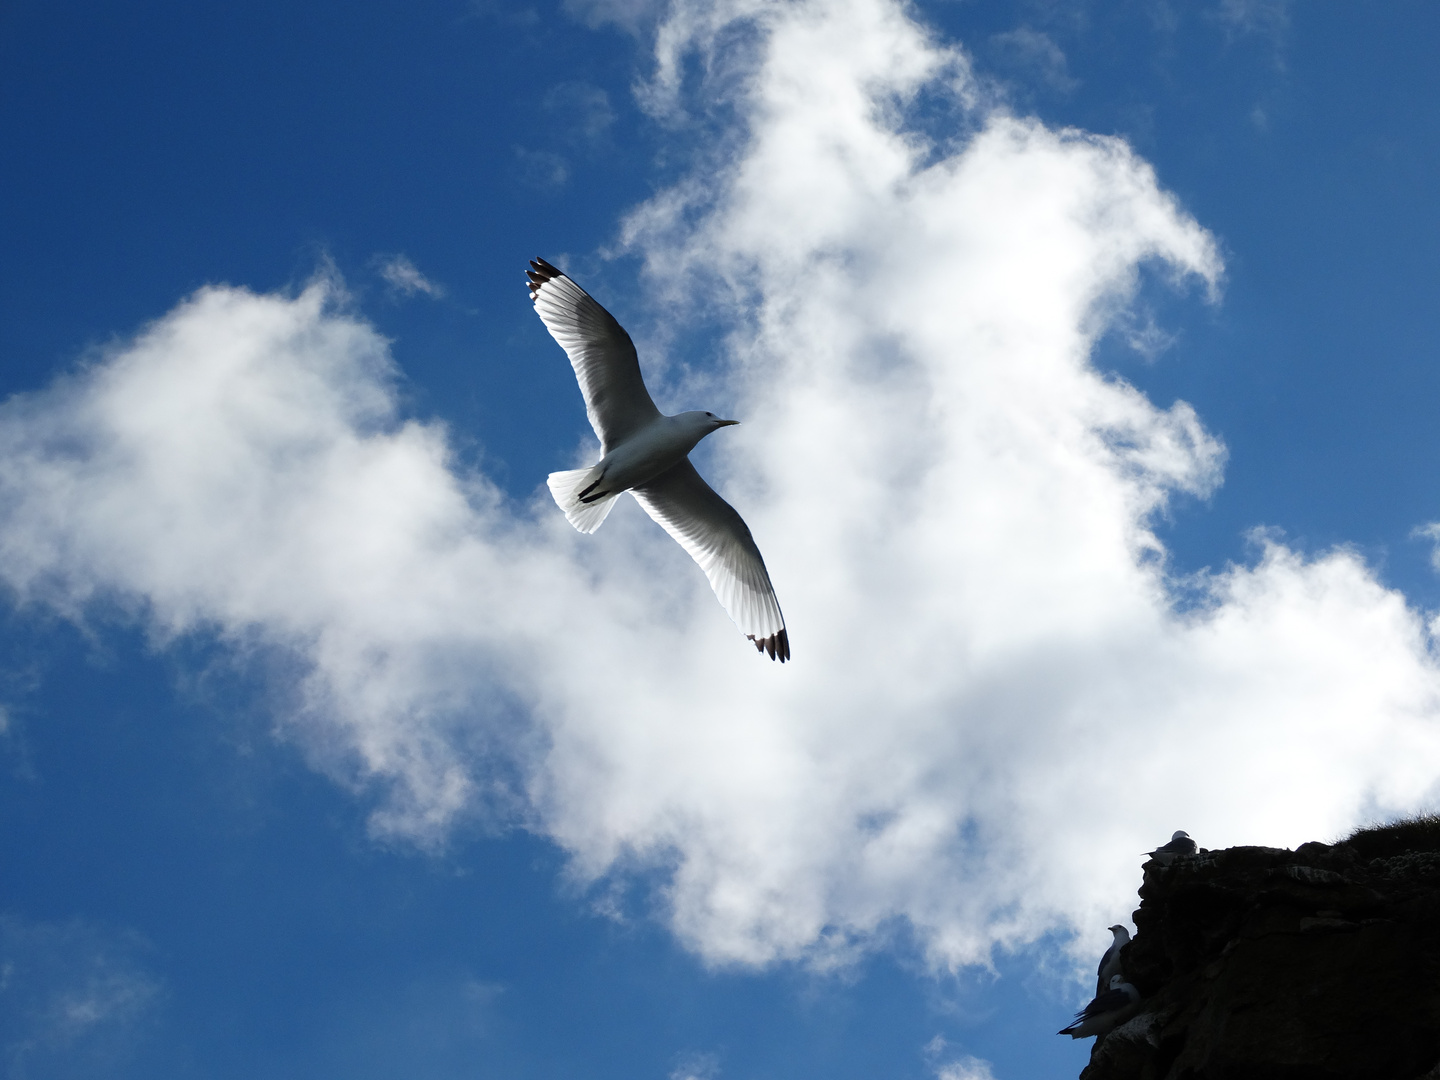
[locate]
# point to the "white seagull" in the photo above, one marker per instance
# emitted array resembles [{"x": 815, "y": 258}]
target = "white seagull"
[
  {"x": 1107, "y": 1012},
  {"x": 645, "y": 452},
  {"x": 1180, "y": 844},
  {"x": 1110, "y": 962}
]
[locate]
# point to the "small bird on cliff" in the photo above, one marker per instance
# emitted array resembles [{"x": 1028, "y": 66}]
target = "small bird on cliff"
[
  {"x": 646, "y": 453},
  {"x": 1107, "y": 1012},
  {"x": 1180, "y": 844},
  {"x": 1110, "y": 962}
]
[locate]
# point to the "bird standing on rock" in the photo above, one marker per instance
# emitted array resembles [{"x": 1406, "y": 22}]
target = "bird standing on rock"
[
  {"x": 1110, "y": 962},
  {"x": 646, "y": 453},
  {"x": 1180, "y": 844},
  {"x": 1107, "y": 1012}
]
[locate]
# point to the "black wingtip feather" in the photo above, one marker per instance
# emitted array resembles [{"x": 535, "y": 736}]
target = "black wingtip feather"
[
  {"x": 777, "y": 645},
  {"x": 540, "y": 272}
]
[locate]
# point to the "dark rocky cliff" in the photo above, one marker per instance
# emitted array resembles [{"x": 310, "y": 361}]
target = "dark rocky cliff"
[{"x": 1321, "y": 963}]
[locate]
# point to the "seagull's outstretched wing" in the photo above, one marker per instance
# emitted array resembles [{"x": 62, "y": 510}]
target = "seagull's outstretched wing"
[
  {"x": 600, "y": 351},
  {"x": 717, "y": 538}
]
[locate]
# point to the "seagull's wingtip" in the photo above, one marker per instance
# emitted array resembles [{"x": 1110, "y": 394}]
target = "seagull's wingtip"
[
  {"x": 777, "y": 645},
  {"x": 539, "y": 273}
]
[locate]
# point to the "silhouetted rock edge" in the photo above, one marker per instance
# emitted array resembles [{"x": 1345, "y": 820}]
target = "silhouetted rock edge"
[{"x": 1321, "y": 963}]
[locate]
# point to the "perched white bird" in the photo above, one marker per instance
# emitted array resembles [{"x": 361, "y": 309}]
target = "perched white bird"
[
  {"x": 1107, "y": 1012},
  {"x": 645, "y": 452},
  {"x": 1110, "y": 962},
  {"x": 1180, "y": 844}
]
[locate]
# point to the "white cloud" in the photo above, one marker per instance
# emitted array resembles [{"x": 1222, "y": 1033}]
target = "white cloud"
[
  {"x": 994, "y": 704},
  {"x": 402, "y": 276},
  {"x": 966, "y": 1068},
  {"x": 697, "y": 1067},
  {"x": 632, "y": 15}
]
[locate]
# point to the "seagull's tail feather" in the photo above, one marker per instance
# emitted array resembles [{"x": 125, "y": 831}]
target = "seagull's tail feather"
[{"x": 566, "y": 487}]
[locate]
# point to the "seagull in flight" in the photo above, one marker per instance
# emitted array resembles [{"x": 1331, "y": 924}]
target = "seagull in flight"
[{"x": 646, "y": 453}]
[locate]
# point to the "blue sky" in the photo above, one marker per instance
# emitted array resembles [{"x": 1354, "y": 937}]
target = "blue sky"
[{"x": 329, "y": 751}]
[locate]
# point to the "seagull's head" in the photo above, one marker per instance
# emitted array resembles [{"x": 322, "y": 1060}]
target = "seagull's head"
[
  {"x": 703, "y": 423},
  {"x": 1180, "y": 834}
]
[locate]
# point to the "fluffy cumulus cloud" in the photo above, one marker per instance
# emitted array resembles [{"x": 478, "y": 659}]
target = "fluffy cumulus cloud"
[{"x": 995, "y": 701}]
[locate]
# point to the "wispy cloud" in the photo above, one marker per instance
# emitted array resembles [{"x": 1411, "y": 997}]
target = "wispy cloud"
[
  {"x": 1430, "y": 532},
  {"x": 956, "y": 507},
  {"x": 73, "y": 997},
  {"x": 1266, "y": 21},
  {"x": 632, "y": 15},
  {"x": 431, "y": 1023},
  {"x": 697, "y": 1067},
  {"x": 1270, "y": 18},
  {"x": 541, "y": 170},
  {"x": 582, "y": 110},
  {"x": 1035, "y": 54},
  {"x": 581, "y": 118},
  {"x": 404, "y": 278}
]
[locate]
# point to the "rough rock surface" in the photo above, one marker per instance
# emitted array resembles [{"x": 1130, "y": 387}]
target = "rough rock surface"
[{"x": 1321, "y": 963}]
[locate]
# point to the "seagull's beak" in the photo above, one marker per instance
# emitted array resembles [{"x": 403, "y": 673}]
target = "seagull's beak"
[{"x": 726, "y": 423}]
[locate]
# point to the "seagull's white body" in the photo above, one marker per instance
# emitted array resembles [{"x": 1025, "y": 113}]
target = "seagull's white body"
[
  {"x": 646, "y": 453},
  {"x": 1110, "y": 962},
  {"x": 650, "y": 451},
  {"x": 1107, "y": 1012}
]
